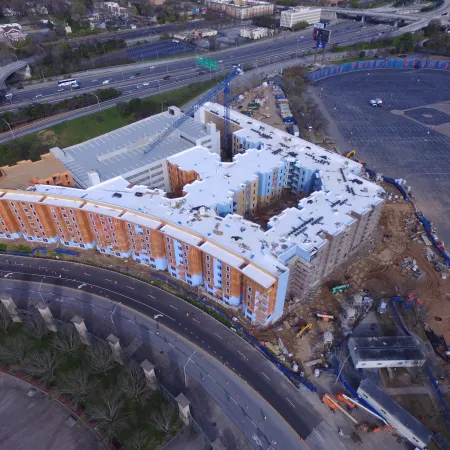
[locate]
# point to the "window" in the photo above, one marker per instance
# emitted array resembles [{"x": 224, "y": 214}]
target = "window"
[
  {"x": 249, "y": 289},
  {"x": 167, "y": 239},
  {"x": 207, "y": 257},
  {"x": 187, "y": 247},
  {"x": 228, "y": 291},
  {"x": 109, "y": 220},
  {"x": 228, "y": 283},
  {"x": 228, "y": 268},
  {"x": 228, "y": 276},
  {"x": 209, "y": 280},
  {"x": 71, "y": 211}
]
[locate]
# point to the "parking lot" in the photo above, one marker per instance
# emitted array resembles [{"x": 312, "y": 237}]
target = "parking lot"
[
  {"x": 158, "y": 50},
  {"x": 395, "y": 142}
]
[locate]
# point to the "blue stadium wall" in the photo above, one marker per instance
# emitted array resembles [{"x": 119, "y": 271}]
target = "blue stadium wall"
[{"x": 389, "y": 63}]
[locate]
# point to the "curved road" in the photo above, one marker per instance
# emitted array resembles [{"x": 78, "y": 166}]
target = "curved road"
[{"x": 55, "y": 278}]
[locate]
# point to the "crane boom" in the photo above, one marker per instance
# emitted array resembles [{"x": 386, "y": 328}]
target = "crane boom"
[{"x": 190, "y": 112}]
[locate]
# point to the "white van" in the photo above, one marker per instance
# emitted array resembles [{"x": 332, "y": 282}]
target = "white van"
[{"x": 373, "y": 103}]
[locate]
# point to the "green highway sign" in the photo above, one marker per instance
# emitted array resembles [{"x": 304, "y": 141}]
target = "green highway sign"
[{"x": 210, "y": 64}]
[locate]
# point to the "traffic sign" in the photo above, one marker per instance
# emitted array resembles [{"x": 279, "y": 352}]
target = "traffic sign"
[
  {"x": 323, "y": 35},
  {"x": 210, "y": 64},
  {"x": 320, "y": 44}
]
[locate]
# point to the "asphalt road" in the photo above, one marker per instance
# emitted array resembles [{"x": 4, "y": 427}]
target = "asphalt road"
[
  {"x": 128, "y": 79},
  {"x": 398, "y": 139},
  {"x": 123, "y": 294}
]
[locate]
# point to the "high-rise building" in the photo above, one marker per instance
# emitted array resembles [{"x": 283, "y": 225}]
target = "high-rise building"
[
  {"x": 204, "y": 235},
  {"x": 292, "y": 16}
]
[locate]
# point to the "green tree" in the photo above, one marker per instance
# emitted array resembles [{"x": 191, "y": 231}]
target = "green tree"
[
  {"x": 434, "y": 26},
  {"x": 300, "y": 26},
  {"x": 78, "y": 9}
]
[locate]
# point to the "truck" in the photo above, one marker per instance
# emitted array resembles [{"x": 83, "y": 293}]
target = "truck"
[{"x": 295, "y": 130}]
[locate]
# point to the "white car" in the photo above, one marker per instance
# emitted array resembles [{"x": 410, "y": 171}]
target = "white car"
[
  {"x": 379, "y": 102},
  {"x": 152, "y": 67},
  {"x": 145, "y": 84},
  {"x": 373, "y": 103},
  {"x": 38, "y": 95},
  {"x": 106, "y": 82}
]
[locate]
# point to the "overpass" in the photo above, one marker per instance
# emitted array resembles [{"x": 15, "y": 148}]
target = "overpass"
[
  {"x": 420, "y": 19},
  {"x": 9, "y": 69}
]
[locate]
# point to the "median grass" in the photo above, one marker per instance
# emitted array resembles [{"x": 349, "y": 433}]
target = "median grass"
[{"x": 74, "y": 131}]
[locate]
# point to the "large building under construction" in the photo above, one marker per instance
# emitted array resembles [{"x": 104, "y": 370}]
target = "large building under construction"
[{"x": 203, "y": 235}]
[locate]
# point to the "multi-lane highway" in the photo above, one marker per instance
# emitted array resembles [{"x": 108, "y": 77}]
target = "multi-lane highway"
[
  {"x": 100, "y": 294},
  {"x": 153, "y": 75}
]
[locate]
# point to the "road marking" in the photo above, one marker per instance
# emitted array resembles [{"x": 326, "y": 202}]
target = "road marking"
[
  {"x": 173, "y": 307},
  {"x": 87, "y": 274},
  {"x": 195, "y": 320},
  {"x": 151, "y": 296},
  {"x": 242, "y": 354},
  {"x": 106, "y": 279},
  {"x": 220, "y": 337},
  {"x": 265, "y": 376},
  {"x": 234, "y": 400},
  {"x": 254, "y": 424},
  {"x": 129, "y": 287},
  {"x": 151, "y": 332},
  {"x": 290, "y": 402},
  {"x": 320, "y": 437},
  {"x": 211, "y": 377},
  {"x": 172, "y": 345}
]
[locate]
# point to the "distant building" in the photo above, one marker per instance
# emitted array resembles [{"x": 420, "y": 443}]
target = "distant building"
[
  {"x": 256, "y": 33},
  {"x": 406, "y": 424},
  {"x": 115, "y": 9},
  {"x": 48, "y": 170},
  {"x": 156, "y": 2},
  {"x": 13, "y": 33},
  {"x": 241, "y": 9},
  {"x": 194, "y": 34},
  {"x": 16, "y": 26},
  {"x": 379, "y": 352},
  {"x": 293, "y": 16}
]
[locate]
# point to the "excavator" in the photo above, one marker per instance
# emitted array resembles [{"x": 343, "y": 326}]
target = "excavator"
[
  {"x": 304, "y": 330},
  {"x": 351, "y": 155}
]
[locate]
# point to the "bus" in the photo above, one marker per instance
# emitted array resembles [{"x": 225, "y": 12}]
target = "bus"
[{"x": 67, "y": 82}]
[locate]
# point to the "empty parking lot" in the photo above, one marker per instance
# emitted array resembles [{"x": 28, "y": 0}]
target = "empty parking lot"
[{"x": 400, "y": 139}]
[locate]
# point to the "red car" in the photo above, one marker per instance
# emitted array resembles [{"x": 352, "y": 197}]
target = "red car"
[{"x": 167, "y": 77}]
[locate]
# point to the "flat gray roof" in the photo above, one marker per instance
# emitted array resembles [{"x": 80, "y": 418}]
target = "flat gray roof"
[
  {"x": 122, "y": 151},
  {"x": 394, "y": 409},
  {"x": 388, "y": 348}
]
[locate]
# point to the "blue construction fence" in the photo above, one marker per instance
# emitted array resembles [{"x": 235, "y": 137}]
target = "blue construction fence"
[
  {"x": 388, "y": 63},
  {"x": 399, "y": 301}
]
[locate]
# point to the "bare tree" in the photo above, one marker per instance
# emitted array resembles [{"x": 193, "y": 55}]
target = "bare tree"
[
  {"x": 42, "y": 364},
  {"x": 77, "y": 385},
  {"x": 35, "y": 326},
  {"x": 133, "y": 383},
  {"x": 139, "y": 440},
  {"x": 14, "y": 349},
  {"x": 165, "y": 419},
  {"x": 108, "y": 413},
  {"x": 67, "y": 342},
  {"x": 99, "y": 358},
  {"x": 5, "y": 319}
]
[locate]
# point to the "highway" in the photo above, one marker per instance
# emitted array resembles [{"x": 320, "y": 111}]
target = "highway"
[
  {"x": 128, "y": 302},
  {"x": 148, "y": 76}
]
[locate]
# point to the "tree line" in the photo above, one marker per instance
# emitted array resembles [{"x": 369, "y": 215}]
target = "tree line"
[
  {"x": 117, "y": 399},
  {"x": 38, "y": 111}
]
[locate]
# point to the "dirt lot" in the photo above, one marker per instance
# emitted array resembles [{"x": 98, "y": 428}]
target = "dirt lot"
[
  {"x": 267, "y": 113},
  {"x": 378, "y": 272}
]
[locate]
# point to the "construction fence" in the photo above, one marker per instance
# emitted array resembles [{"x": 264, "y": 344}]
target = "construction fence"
[{"x": 388, "y": 63}]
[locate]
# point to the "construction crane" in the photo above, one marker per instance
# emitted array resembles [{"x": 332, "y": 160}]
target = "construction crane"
[{"x": 223, "y": 85}]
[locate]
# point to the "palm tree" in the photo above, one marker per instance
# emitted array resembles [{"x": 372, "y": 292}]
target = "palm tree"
[
  {"x": 77, "y": 385},
  {"x": 139, "y": 440},
  {"x": 132, "y": 382},
  {"x": 42, "y": 364},
  {"x": 35, "y": 326},
  {"x": 14, "y": 349},
  {"x": 108, "y": 413},
  {"x": 67, "y": 342},
  {"x": 99, "y": 359},
  {"x": 5, "y": 319},
  {"x": 165, "y": 419}
]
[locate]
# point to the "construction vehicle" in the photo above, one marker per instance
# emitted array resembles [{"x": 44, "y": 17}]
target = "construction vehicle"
[
  {"x": 304, "y": 330},
  {"x": 351, "y": 154},
  {"x": 340, "y": 289},
  {"x": 324, "y": 316},
  {"x": 334, "y": 405},
  {"x": 341, "y": 398}
]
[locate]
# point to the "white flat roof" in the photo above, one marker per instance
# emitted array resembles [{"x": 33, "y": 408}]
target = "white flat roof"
[
  {"x": 67, "y": 203},
  {"x": 140, "y": 220},
  {"x": 17, "y": 196},
  {"x": 222, "y": 255},
  {"x": 258, "y": 276},
  {"x": 181, "y": 235}
]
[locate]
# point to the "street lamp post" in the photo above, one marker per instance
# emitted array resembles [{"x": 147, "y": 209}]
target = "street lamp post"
[
  {"x": 184, "y": 368},
  {"x": 40, "y": 285},
  {"x": 98, "y": 101},
  {"x": 9, "y": 126}
]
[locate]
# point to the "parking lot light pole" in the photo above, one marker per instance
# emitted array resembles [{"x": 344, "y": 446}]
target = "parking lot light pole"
[{"x": 98, "y": 100}]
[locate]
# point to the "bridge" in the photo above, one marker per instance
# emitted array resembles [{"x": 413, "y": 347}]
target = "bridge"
[
  {"x": 416, "y": 20},
  {"x": 9, "y": 69}
]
